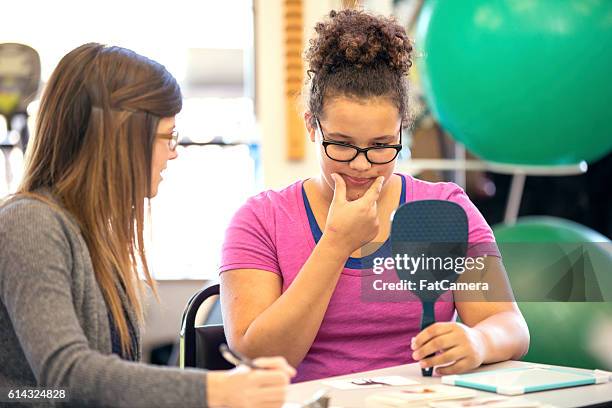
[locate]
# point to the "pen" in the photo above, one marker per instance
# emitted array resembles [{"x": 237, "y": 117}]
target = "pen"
[
  {"x": 319, "y": 400},
  {"x": 236, "y": 358}
]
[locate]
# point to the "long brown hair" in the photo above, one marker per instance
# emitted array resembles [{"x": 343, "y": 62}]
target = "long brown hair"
[{"x": 93, "y": 150}]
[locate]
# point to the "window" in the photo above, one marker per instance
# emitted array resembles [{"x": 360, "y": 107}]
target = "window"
[{"x": 208, "y": 47}]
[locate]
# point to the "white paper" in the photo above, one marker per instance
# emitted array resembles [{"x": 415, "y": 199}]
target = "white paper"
[
  {"x": 417, "y": 396},
  {"x": 496, "y": 401}
]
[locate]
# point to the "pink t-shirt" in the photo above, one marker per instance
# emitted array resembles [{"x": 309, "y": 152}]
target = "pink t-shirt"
[{"x": 271, "y": 232}]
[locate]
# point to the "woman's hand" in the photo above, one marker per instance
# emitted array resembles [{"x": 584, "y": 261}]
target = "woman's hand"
[
  {"x": 352, "y": 224},
  {"x": 459, "y": 348},
  {"x": 244, "y": 387}
]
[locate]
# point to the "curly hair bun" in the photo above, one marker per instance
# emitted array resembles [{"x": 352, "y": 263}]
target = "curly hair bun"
[{"x": 358, "y": 39}]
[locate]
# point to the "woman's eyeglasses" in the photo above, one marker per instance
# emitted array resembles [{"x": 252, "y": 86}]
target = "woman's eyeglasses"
[
  {"x": 345, "y": 152},
  {"x": 172, "y": 138}
]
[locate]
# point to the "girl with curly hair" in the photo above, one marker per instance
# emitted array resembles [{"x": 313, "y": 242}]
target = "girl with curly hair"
[{"x": 292, "y": 261}]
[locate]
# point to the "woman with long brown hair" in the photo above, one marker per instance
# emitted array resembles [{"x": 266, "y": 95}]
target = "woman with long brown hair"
[{"x": 72, "y": 247}]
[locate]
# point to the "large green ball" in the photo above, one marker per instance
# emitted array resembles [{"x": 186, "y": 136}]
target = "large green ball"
[
  {"x": 535, "y": 253},
  {"x": 524, "y": 81}
]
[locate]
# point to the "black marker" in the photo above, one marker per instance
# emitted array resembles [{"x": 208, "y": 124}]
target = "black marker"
[{"x": 236, "y": 358}]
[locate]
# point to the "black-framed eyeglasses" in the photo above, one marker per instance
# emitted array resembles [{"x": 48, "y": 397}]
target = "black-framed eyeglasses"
[
  {"x": 345, "y": 152},
  {"x": 172, "y": 138}
]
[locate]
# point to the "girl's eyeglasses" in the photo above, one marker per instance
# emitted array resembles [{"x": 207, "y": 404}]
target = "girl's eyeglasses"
[{"x": 345, "y": 152}]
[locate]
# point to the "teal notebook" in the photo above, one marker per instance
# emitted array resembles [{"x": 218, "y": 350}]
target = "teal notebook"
[{"x": 514, "y": 381}]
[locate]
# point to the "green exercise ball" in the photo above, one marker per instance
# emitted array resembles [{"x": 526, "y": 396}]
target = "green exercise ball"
[
  {"x": 525, "y": 81},
  {"x": 561, "y": 275}
]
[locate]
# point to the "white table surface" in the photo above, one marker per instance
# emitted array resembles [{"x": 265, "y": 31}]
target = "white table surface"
[{"x": 566, "y": 397}]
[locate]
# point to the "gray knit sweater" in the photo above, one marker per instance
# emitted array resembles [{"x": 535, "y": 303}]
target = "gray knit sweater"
[{"x": 54, "y": 326}]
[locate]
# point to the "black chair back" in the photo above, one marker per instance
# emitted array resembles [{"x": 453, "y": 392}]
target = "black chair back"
[{"x": 199, "y": 345}]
